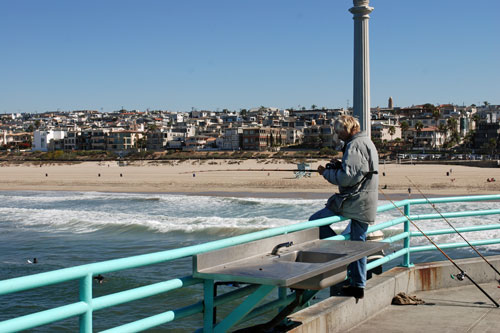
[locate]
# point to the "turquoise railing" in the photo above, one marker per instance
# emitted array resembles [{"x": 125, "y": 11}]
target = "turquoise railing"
[{"x": 248, "y": 308}]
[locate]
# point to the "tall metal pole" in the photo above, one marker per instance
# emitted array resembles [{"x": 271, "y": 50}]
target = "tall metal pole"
[{"x": 361, "y": 94}]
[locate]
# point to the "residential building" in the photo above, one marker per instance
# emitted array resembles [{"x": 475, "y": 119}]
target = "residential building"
[
  {"x": 232, "y": 138},
  {"x": 382, "y": 131},
  {"x": 427, "y": 137},
  {"x": 199, "y": 142},
  {"x": 71, "y": 140},
  {"x": 486, "y": 132},
  {"x": 21, "y": 140},
  {"x": 318, "y": 136},
  {"x": 156, "y": 140},
  {"x": 99, "y": 138},
  {"x": 123, "y": 140},
  {"x": 42, "y": 140},
  {"x": 293, "y": 136},
  {"x": 262, "y": 138}
]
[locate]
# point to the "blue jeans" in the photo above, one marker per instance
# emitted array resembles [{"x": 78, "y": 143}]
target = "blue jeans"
[{"x": 357, "y": 269}]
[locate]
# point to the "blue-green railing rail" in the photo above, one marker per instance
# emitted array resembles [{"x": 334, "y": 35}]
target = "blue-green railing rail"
[{"x": 247, "y": 309}]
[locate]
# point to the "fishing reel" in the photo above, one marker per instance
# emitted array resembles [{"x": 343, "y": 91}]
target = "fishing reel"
[
  {"x": 460, "y": 276},
  {"x": 334, "y": 164}
]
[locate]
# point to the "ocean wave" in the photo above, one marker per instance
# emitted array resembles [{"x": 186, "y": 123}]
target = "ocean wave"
[
  {"x": 34, "y": 197},
  {"x": 82, "y": 221},
  {"x": 85, "y": 212},
  {"x": 272, "y": 201},
  {"x": 61, "y": 196}
]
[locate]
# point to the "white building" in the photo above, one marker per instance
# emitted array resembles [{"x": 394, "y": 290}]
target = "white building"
[
  {"x": 284, "y": 113},
  {"x": 42, "y": 139},
  {"x": 427, "y": 137},
  {"x": 177, "y": 117},
  {"x": 293, "y": 135},
  {"x": 382, "y": 131}
]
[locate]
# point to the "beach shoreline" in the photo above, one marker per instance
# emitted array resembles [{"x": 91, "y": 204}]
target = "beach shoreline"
[{"x": 242, "y": 178}]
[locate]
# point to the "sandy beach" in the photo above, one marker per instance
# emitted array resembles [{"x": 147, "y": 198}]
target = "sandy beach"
[{"x": 202, "y": 177}]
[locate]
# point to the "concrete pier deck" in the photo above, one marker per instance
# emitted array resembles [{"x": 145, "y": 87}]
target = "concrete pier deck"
[
  {"x": 451, "y": 305},
  {"x": 461, "y": 309}
]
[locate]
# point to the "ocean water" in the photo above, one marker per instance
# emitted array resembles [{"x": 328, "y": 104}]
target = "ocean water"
[{"x": 64, "y": 229}]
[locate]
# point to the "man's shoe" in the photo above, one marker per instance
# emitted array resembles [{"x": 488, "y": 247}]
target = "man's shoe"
[{"x": 353, "y": 292}]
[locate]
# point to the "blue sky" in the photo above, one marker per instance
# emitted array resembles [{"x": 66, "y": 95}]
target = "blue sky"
[{"x": 175, "y": 55}]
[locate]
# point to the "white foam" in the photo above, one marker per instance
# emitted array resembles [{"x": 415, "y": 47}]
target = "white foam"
[
  {"x": 94, "y": 211},
  {"x": 81, "y": 221}
]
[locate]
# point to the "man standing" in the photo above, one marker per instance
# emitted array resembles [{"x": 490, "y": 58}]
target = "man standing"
[{"x": 357, "y": 179}]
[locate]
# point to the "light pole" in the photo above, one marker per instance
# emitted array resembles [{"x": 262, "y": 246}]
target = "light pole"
[{"x": 361, "y": 87}]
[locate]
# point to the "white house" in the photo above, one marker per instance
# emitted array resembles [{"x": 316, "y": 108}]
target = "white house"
[
  {"x": 42, "y": 139},
  {"x": 382, "y": 131},
  {"x": 177, "y": 117},
  {"x": 293, "y": 135},
  {"x": 427, "y": 137}
]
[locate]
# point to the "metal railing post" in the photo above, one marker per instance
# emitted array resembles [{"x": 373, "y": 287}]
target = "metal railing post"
[
  {"x": 208, "y": 306},
  {"x": 406, "y": 257},
  {"x": 85, "y": 291},
  {"x": 282, "y": 294}
]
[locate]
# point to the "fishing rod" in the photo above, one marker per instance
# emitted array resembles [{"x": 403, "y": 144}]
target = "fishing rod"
[
  {"x": 333, "y": 164},
  {"x": 458, "y": 233},
  {"x": 462, "y": 272},
  {"x": 249, "y": 170}
]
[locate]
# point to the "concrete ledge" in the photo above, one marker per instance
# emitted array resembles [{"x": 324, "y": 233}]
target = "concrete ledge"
[{"x": 338, "y": 314}]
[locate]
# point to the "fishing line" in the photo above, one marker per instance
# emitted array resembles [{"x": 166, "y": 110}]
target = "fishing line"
[
  {"x": 248, "y": 170},
  {"x": 458, "y": 233},
  {"x": 462, "y": 272}
]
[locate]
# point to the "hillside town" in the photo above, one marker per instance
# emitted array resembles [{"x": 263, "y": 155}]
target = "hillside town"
[{"x": 427, "y": 127}]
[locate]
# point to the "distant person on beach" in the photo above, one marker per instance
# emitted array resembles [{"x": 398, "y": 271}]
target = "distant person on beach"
[
  {"x": 357, "y": 179},
  {"x": 409, "y": 192}
]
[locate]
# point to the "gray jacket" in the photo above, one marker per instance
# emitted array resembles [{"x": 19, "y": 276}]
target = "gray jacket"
[{"x": 357, "y": 185}]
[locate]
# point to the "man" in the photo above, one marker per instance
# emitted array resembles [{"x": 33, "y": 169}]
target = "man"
[{"x": 357, "y": 179}]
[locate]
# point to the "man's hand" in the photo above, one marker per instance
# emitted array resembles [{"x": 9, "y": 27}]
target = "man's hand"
[{"x": 321, "y": 169}]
